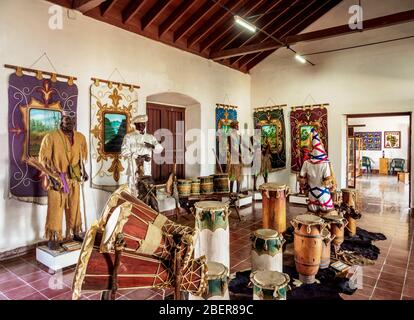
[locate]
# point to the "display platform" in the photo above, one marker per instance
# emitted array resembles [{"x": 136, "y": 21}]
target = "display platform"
[
  {"x": 56, "y": 259},
  {"x": 244, "y": 200},
  {"x": 257, "y": 196},
  {"x": 298, "y": 199}
]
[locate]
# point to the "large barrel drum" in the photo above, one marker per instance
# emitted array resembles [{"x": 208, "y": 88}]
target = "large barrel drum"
[
  {"x": 274, "y": 206},
  {"x": 206, "y": 185},
  {"x": 184, "y": 187},
  {"x": 221, "y": 183}
]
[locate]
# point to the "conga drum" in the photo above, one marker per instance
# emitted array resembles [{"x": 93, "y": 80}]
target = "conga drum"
[
  {"x": 269, "y": 285},
  {"x": 212, "y": 224},
  {"x": 326, "y": 249},
  {"x": 336, "y": 225},
  {"x": 184, "y": 187},
  {"x": 95, "y": 269},
  {"x": 195, "y": 187},
  {"x": 308, "y": 245},
  {"x": 217, "y": 277},
  {"x": 206, "y": 185},
  {"x": 350, "y": 197},
  {"x": 351, "y": 216},
  {"x": 267, "y": 250},
  {"x": 221, "y": 183},
  {"x": 274, "y": 206}
]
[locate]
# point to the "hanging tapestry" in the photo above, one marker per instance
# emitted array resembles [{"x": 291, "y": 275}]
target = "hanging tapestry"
[
  {"x": 225, "y": 115},
  {"x": 370, "y": 140},
  {"x": 112, "y": 106},
  {"x": 392, "y": 139},
  {"x": 35, "y": 108},
  {"x": 271, "y": 121},
  {"x": 302, "y": 120}
]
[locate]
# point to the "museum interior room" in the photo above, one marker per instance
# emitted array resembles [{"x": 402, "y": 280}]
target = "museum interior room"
[{"x": 207, "y": 150}]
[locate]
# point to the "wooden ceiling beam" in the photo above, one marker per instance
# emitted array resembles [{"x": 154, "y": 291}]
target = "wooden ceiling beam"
[
  {"x": 131, "y": 10},
  {"x": 86, "y": 5},
  {"x": 175, "y": 17},
  {"x": 215, "y": 20},
  {"x": 204, "y": 10},
  {"x": 253, "y": 48},
  {"x": 221, "y": 32},
  {"x": 106, "y": 7},
  {"x": 301, "y": 15},
  {"x": 380, "y": 22},
  {"x": 255, "y": 21},
  {"x": 154, "y": 13},
  {"x": 298, "y": 28}
]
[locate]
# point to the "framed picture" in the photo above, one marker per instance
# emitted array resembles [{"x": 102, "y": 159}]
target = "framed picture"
[
  {"x": 371, "y": 141},
  {"x": 41, "y": 122},
  {"x": 392, "y": 139},
  {"x": 306, "y": 136},
  {"x": 115, "y": 129}
]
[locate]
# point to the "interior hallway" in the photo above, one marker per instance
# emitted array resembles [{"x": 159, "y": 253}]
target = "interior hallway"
[{"x": 383, "y": 210}]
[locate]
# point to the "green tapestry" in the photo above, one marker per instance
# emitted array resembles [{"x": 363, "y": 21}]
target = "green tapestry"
[{"x": 271, "y": 121}]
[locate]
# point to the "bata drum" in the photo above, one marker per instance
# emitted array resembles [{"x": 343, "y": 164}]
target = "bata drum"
[
  {"x": 221, "y": 183},
  {"x": 212, "y": 224},
  {"x": 217, "y": 277},
  {"x": 267, "y": 253},
  {"x": 308, "y": 245},
  {"x": 274, "y": 206},
  {"x": 350, "y": 197},
  {"x": 269, "y": 285},
  {"x": 337, "y": 226},
  {"x": 337, "y": 197},
  {"x": 184, "y": 187},
  {"x": 326, "y": 249},
  {"x": 206, "y": 185},
  {"x": 195, "y": 187},
  {"x": 145, "y": 231},
  {"x": 94, "y": 270}
]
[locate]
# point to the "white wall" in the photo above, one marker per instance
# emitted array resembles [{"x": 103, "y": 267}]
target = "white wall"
[
  {"x": 364, "y": 80},
  {"x": 381, "y": 124},
  {"x": 87, "y": 48}
]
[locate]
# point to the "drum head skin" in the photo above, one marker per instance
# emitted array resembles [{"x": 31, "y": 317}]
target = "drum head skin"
[
  {"x": 325, "y": 234},
  {"x": 272, "y": 187},
  {"x": 269, "y": 280},
  {"x": 308, "y": 219},
  {"x": 216, "y": 270},
  {"x": 334, "y": 218},
  {"x": 211, "y": 205},
  {"x": 266, "y": 234},
  {"x": 111, "y": 224}
]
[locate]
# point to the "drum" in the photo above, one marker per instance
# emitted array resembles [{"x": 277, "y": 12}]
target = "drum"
[
  {"x": 94, "y": 270},
  {"x": 326, "y": 249},
  {"x": 206, "y": 185},
  {"x": 274, "y": 206},
  {"x": 145, "y": 231},
  {"x": 212, "y": 224},
  {"x": 267, "y": 250},
  {"x": 195, "y": 187},
  {"x": 337, "y": 226},
  {"x": 350, "y": 197},
  {"x": 217, "y": 283},
  {"x": 308, "y": 245},
  {"x": 269, "y": 285},
  {"x": 337, "y": 197},
  {"x": 221, "y": 183},
  {"x": 184, "y": 187},
  {"x": 351, "y": 228}
]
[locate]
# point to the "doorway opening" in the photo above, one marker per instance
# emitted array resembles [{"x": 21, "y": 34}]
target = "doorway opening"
[
  {"x": 379, "y": 156},
  {"x": 170, "y": 110}
]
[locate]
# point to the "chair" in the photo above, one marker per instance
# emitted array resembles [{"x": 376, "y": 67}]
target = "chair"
[
  {"x": 366, "y": 162},
  {"x": 397, "y": 165}
]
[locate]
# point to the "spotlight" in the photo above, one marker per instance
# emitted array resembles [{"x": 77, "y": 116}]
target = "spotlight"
[
  {"x": 244, "y": 24},
  {"x": 300, "y": 58}
]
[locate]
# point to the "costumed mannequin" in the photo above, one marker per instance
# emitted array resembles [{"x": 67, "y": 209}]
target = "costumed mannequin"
[
  {"x": 137, "y": 147},
  {"x": 266, "y": 160},
  {"x": 234, "y": 161},
  {"x": 62, "y": 152},
  {"x": 318, "y": 174}
]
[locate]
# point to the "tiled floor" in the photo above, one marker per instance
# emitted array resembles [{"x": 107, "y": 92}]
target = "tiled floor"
[{"x": 383, "y": 208}]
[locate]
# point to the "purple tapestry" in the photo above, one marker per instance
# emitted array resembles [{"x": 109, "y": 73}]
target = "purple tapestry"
[{"x": 35, "y": 107}]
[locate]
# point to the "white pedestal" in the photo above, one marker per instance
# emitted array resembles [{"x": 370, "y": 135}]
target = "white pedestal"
[
  {"x": 245, "y": 201},
  {"x": 56, "y": 260},
  {"x": 257, "y": 196},
  {"x": 166, "y": 204},
  {"x": 295, "y": 198}
]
